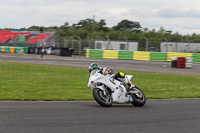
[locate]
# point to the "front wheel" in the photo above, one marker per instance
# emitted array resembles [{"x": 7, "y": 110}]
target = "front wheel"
[
  {"x": 103, "y": 100},
  {"x": 138, "y": 98}
]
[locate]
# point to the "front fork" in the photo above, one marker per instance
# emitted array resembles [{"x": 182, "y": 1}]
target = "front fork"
[
  {"x": 132, "y": 89},
  {"x": 130, "y": 86},
  {"x": 103, "y": 89}
]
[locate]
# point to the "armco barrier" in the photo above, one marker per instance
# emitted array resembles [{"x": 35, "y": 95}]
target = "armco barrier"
[
  {"x": 87, "y": 53},
  {"x": 95, "y": 53},
  {"x": 169, "y": 55},
  {"x": 110, "y": 54},
  {"x": 125, "y": 55},
  {"x": 157, "y": 56},
  {"x": 140, "y": 55},
  {"x": 196, "y": 58}
]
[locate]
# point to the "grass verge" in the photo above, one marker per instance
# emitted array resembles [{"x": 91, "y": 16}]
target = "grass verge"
[{"x": 41, "y": 82}]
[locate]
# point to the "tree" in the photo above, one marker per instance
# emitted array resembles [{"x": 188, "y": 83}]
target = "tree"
[
  {"x": 87, "y": 24},
  {"x": 162, "y": 30},
  {"x": 126, "y": 24},
  {"x": 65, "y": 26},
  {"x": 101, "y": 26}
]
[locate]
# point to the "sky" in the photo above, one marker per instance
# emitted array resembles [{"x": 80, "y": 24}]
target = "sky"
[{"x": 182, "y": 16}]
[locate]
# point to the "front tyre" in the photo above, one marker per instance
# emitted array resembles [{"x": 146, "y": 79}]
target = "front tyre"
[
  {"x": 103, "y": 100},
  {"x": 138, "y": 98}
]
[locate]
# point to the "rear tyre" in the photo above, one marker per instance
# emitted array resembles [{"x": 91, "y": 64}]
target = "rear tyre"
[
  {"x": 139, "y": 98},
  {"x": 103, "y": 100}
]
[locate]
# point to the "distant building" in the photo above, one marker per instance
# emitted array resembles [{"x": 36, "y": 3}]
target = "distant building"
[
  {"x": 179, "y": 47},
  {"x": 116, "y": 45}
]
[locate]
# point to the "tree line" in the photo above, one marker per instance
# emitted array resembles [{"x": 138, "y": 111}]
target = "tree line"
[{"x": 130, "y": 30}]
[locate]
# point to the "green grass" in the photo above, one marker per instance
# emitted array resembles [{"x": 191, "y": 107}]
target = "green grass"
[{"x": 41, "y": 82}]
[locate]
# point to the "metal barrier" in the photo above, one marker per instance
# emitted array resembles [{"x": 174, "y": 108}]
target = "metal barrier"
[{"x": 139, "y": 55}]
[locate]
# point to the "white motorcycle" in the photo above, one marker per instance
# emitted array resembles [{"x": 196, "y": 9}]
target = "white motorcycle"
[{"x": 107, "y": 90}]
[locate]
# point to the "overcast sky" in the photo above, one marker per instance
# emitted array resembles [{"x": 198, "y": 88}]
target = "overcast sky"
[{"x": 181, "y": 16}]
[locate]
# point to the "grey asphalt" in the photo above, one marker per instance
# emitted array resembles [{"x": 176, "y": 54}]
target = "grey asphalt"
[
  {"x": 78, "y": 61},
  {"x": 157, "y": 116}
]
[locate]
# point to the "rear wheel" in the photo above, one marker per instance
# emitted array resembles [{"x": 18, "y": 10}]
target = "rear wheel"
[
  {"x": 138, "y": 98},
  {"x": 103, "y": 100}
]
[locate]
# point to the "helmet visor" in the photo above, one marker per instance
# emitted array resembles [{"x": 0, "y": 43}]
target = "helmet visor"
[{"x": 95, "y": 66}]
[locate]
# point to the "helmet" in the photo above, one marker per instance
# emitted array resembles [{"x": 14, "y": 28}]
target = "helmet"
[
  {"x": 119, "y": 75},
  {"x": 93, "y": 66}
]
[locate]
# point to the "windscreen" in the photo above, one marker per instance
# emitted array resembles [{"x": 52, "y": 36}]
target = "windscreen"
[{"x": 93, "y": 72}]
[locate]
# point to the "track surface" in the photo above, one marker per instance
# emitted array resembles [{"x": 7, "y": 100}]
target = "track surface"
[
  {"x": 133, "y": 65},
  {"x": 157, "y": 116}
]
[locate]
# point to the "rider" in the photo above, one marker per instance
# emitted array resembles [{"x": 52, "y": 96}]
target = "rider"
[{"x": 105, "y": 71}]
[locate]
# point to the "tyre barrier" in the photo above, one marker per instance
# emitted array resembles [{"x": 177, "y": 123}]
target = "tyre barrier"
[
  {"x": 181, "y": 62},
  {"x": 6, "y": 49},
  {"x": 188, "y": 62},
  {"x": 145, "y": 56},
  {"x": 61, "y": 51},
  {"x": 51, "y": 51},
  {"x": 38, "y": 50},
  {"x": 174, "y": 62}
]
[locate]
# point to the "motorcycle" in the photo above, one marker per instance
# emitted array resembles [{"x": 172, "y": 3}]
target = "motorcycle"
[{"x": 108, "y": 90}]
